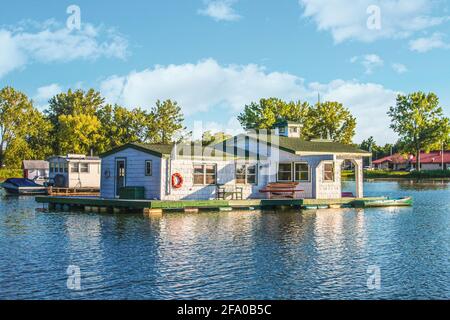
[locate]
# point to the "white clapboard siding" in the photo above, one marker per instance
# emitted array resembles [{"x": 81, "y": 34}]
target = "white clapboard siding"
[
  {"x": 89, "y": 179},
  {"x": 158, "y": 186},
  {"x": 268, "y": 169}
]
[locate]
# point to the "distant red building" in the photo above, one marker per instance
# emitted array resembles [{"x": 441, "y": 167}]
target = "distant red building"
[{"x": 428, "y": 161}]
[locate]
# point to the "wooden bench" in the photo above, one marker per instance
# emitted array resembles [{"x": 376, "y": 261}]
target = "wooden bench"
[
  {"x": 224, "y": 191},
  {"x": 285, "y": 189}
]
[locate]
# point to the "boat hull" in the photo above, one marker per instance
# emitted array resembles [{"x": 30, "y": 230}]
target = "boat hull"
[
  {"x": 16, "y": 189},
  {"x": 397, "y": 202}
]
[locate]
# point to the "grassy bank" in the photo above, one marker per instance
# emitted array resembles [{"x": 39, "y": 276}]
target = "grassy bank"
[
  {"x": 383, "y": 174},
  {"x": 373, "y": 174},
  {"x": 10, "y": 173},
  {"x": 347, "y": 174}
]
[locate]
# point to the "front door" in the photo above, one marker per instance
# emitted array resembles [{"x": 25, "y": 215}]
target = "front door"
[{"x": 120, "y": 175}]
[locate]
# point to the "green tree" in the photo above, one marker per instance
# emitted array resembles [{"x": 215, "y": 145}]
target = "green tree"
[
  {"x": 165, "y": 121},
  {"x": 377, "y": 150},
  {"x": 78, "y": 133},
  {"x": 22, "y": 128},
  {"x": 331, "y": 120},
  {"x": 120, "y": 126},
  {"x": 38, "y": 136},
  {"x": 368, "y": 144},
  {"x": 267, "y": 112},
  {"x": 419, "y": 121},
  {"x": 72, "y": 103}
]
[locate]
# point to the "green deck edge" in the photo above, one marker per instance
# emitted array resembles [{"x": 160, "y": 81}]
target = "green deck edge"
[
  {"x": 79, "y": 201},
  {"x": 167, "y": 205},
  {"x": 200, "y": 204},
  {"x": 156, "y": 204}
]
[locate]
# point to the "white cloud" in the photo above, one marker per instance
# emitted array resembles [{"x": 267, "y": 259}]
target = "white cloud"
[
  {"x": 399, "y": 68},
  {"x": 49, "y": 42},
  {"x": 207, "y": 87},
  {"x": 11, "y": 57},
  {"x": 201, "y": 86},
  {"x": 347, "y": 20},
  {"x": 45, "y": 93},
  {"x": 220, "y": 10},
  {"x": 435, "y": 41},
  {"x": 369, "y": 61}
]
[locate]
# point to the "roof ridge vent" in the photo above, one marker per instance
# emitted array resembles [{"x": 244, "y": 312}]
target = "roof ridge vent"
[{"x": 76, "y": 156}]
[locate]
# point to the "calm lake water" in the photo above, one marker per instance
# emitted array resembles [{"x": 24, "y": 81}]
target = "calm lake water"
[{"x": 323, "y": 254}]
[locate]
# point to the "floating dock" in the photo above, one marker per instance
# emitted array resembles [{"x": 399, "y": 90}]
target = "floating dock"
[{"x": 95, "y": 204}]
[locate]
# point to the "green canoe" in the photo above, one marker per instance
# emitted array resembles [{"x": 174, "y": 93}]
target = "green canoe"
[{"x": 388, "y": 202}]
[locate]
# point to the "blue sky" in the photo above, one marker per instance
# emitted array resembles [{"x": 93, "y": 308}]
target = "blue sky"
[{"x": 215, "y": 56}]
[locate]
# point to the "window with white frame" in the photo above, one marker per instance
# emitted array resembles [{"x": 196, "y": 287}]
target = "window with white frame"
[
  {"x": 84, "y": 167},
  {"x": 246, "y": 173},
  {"x": 328, "y": 172},
  {"x": 148, "y": 168},
  {"x": 284, "y": 172},
  {"x": 75, "y": 167},
  {"x": 205, "y": 174},
  {"x": 301, "y": 171}
]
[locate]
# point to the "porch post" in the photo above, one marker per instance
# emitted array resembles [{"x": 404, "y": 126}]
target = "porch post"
[{"x": 359, "y": 179}]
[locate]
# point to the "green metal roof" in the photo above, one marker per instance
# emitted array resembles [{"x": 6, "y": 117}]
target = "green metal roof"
[
  {"x": 155, "y": 149},
  {"x": 294, "y": 145},
  {"x": 186, "y": 150}
]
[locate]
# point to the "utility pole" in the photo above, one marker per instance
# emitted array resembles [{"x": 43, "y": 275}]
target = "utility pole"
[{"x": 442, "y": 156}]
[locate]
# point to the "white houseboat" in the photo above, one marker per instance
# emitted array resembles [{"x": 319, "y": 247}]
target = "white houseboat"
[
  {"x": 248, "y": 166},
  {"x": 75, "y": 171}
]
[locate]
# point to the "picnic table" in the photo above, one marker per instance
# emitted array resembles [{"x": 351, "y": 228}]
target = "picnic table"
[{"x": 285, "y": 189}]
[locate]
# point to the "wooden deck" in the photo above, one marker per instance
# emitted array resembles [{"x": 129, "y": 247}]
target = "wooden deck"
[{"x": 95, "y": 204}]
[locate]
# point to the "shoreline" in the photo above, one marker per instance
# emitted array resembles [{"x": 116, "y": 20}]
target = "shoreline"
[{"x": 399, "y": 179}]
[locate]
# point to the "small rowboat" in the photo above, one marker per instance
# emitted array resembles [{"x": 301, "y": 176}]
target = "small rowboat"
[
  {"x": 315, "y": 207},
  {"x": 388, "y": 202}
]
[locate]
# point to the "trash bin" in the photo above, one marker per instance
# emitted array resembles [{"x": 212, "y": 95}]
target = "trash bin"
[{"x": 132, "y": 193}]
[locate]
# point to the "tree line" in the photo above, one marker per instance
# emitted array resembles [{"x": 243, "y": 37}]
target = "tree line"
[
  {"x": 417, "y": 118},
  {"x": 82, "y": 122},
  {"x": 78, "y": 122},
  {"x": 420, "y": 123},
  {"x": 327, "y": 120}
]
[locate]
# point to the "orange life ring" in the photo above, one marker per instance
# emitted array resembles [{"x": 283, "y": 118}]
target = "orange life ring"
[{"x": 177, "y": 181}]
